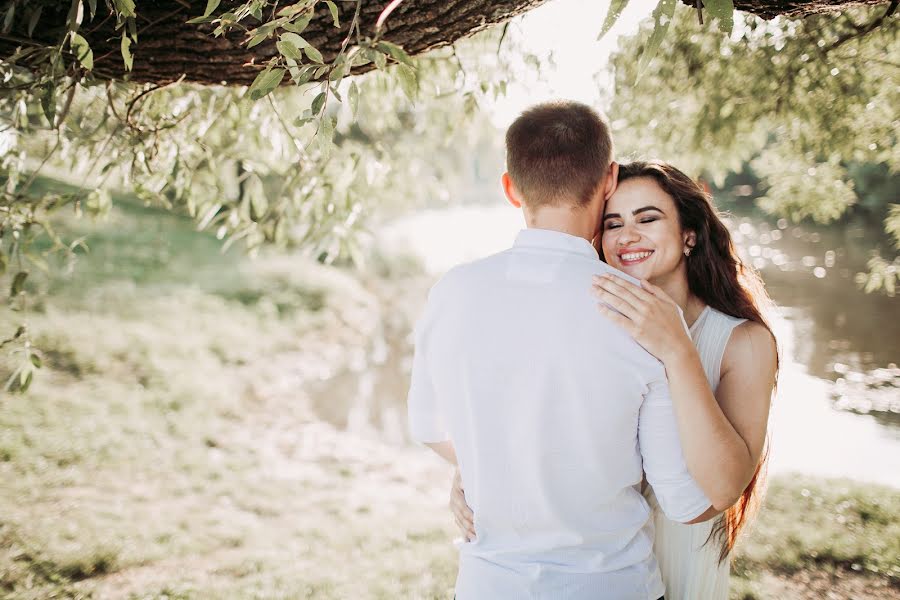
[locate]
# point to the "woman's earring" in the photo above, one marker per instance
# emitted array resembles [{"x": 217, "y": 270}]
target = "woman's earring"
[{"x": 687, "y": 251}]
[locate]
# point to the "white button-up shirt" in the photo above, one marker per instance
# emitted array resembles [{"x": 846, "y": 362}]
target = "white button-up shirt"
[{"x": 554, "y": 412}]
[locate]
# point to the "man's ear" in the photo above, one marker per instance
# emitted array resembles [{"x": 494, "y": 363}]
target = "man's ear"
[
  {"x": 612, "y": 180},
  {"x": 509, "y": 188}
]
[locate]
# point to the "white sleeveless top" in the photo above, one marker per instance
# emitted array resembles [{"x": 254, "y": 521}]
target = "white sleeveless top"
[{"x": 690, "y": 566}]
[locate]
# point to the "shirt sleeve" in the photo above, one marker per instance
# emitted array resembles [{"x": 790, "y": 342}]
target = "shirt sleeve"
[
  {"x": 426, "y": 423},
  {"x": 679, "y": 496}
]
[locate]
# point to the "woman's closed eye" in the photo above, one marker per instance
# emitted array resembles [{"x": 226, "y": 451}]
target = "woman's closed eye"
[
  {"x": 648, "y": 219},
  {"x": 612, "y": 225}
]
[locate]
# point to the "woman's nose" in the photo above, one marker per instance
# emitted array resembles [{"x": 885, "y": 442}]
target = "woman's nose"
[{"x": 627, "y": 235}]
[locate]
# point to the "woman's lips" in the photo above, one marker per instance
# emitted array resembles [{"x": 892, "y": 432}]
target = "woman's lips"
[{"x": 633, "y": 257}]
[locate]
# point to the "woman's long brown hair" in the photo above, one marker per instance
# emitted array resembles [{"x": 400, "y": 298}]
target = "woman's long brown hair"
[{"x": 717, "y": 275}]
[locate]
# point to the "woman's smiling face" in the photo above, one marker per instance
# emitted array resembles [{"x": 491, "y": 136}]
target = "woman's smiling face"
[{"x": 641, "y": 233}]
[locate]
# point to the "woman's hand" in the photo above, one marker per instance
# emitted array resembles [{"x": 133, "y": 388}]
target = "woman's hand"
[
  {"x": 647, "y": 313},
  {"x": 461, "y": 511}
]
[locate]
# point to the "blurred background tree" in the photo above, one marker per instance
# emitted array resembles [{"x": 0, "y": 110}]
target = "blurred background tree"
[
  {"x": 807, "y": 108},
  {"x": 101, "y": 94}
]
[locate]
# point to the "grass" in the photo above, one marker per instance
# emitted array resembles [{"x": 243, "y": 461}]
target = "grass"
[
  {"x": 835, "y": 529},
  {"x": 169, "y": 448}
]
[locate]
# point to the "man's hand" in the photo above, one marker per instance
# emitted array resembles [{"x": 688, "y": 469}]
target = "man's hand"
[{"x": 465, "y": 518}]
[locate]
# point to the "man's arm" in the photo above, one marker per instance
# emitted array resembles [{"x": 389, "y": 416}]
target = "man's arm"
[
  {"x": 679, "y": 496},
  {"x": 444, "y": 450},
  {"x": 426, "y": 421}
]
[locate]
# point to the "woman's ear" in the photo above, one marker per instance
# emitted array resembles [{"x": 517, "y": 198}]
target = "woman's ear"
[{"x": 690, "y": 240}]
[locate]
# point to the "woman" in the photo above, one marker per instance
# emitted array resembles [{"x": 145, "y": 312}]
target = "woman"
[{"x": 661, "y": 228}]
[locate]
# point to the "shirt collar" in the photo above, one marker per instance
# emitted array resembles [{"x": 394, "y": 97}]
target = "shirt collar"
[{"x": 554, "y": 240}]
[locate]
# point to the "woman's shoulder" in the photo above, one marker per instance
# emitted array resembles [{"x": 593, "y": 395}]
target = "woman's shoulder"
[
  {"x": 724, "y": 318},
  {"x": 750, "y": 346}
]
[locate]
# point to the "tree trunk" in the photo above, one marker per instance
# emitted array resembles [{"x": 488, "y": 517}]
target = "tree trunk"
[{"x": 168, "y": 47}]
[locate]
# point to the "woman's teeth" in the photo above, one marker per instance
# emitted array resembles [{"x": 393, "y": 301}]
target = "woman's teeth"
[{"x": 636, "y": 256}]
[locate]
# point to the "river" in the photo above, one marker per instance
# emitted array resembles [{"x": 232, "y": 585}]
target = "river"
[{"x": 837, "y": 408}]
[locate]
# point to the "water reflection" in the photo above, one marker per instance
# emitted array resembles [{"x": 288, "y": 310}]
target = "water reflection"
[{"x": 842, "y": 334}]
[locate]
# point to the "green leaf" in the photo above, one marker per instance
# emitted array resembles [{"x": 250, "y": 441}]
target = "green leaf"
[
  {"x": 75, "y": 16},
  {"x": 3, "y": 263},
  {"x": 314, "y": 55},
  {"x": 125, "y": 7},
  {"x": 293, "y": 9},
  {"x": 211, "y": 5},
  {"x": 18, "y": 283},
  {"x": 353, "y": 97},
  {"x": 126, "y": 52},
  {"x": 396, "y": 52},
  {"x": 334, "y": 12},
  {"x": 9, "y": 18},
  {"x": 318, "y": 103},
  {"x": 380, "y": 61},
  {"x": 325, "y": 136},
  {"x": 339, "y": 71},
  {"x": 259, "y": 203},
  {"x": 36, "y": 360},
  {"x": 288, "y": 50},
  {"x": 723, "y": 10},
  {"x": 265, "y": 82},
  {"x": 408, "y": 81},
  {"x": 48, "y": 101},
  {"x": 662, "y": 18},
  {"x": 82, "y": 51},
  {"x": 612, "y": 15},
  {"x": 25, "y": 380},
  {"x": 294, "y": 39},
  {"x": 305, "y": 75},
  {"x": 92, "y": 4},
  {"x": 257, "y": 39},
  {"x": 35, "y": 17},
  {"x": 297, "y": 27}
]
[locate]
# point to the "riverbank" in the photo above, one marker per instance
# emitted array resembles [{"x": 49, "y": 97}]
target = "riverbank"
[{"x": 173, "y": 445}]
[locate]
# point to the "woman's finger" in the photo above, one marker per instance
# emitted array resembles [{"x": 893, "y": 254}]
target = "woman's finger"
[
  {"x": 621, "y": 305},
  {"x": 627, "y": 289},
  {"x": 623, "y": 322},
  {"x": 618, "y": 291},
  {"x": 657, "y": 291}
]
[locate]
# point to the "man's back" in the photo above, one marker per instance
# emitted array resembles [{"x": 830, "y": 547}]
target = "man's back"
[{"x": 542, "y": 398}]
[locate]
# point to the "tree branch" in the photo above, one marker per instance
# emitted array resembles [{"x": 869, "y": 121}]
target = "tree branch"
[{"x": 861, "y": 30}]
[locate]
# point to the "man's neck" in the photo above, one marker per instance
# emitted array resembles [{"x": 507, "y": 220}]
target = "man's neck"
[{"x": 580, "y": 222}]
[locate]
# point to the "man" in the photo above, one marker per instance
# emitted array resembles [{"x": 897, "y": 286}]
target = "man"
[{"x": 551, "y": 411}]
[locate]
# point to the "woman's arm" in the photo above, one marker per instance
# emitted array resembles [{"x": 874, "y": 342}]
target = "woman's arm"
[{"x": 722, "y": 436}]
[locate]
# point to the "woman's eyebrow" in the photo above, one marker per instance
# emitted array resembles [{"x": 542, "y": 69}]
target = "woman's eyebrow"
[
  {"x": 612, "y": 216},
  {"x": 645, "y": 209}
]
